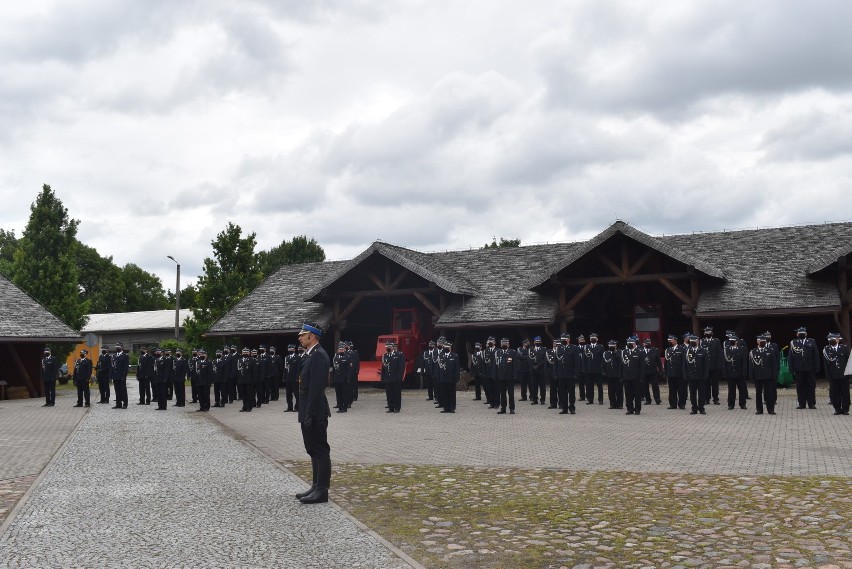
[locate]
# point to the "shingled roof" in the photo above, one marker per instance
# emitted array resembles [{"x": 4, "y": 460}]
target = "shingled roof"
[
  {"x": 822, "y": 262},
  {"x": 668, "y": 249},
  {"x": 23, "y": 319},
  {"x": 424, "y": 265}
]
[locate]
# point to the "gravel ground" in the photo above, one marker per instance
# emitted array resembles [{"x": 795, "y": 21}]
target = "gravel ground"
[{"x": 140, "y": 488}]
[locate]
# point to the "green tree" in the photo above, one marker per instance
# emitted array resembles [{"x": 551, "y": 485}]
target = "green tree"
[
  {"x": 231, "y": 274},
  {"x": 503, "y": 243},
  {"x": 101, "y": 283},
  {"x": 142, "y": 290},
  {"x": 188, "y": 297},
  {"x": 8, "y": 246},
  {"x": 44, "y": 264},
  {"x": 300, "y": 249}
]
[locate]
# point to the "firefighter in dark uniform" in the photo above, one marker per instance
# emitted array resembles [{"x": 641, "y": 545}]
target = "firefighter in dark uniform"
[
  {"x": 673, "y": 368},
  {"x": 292, "y": 365},
  {"x": 696, "y": 371},
  {"x": 761, "y": 370},
  {"x": 632, "y": 375},
  {"x": 356, "y": 369},
  {"x": 568, "y": 372},
  {"x": 102, "y": 372},
  {"x": 549, "y": 370},
  {"x": 506, "y": 360},
  {"x": 274, "y": 374},
  {"x": 592, "y": 353},
  {"x": 162, "y": 379},
  {"x": 145, "y": 375},
  {"x": 180, "y": 370},
  {"x": 314, "y": 413},
  {"x": 232, "y": 374},
  {"x": 735, "y": 371},
  {"x": 836, "y": 357},
  {"x": 170, "y": 361},
  {"x": 82, "y": 376},
  {"x": 193, "y": 359},
  {"x": 653, "y": 370},
  {"x": 220, "y": 392},
  {"x": 450, "y": 368},
  {"x": 120, "y": 367},
  {"x": 204, "y": 375},
  {"x": 245, "y": 379},
  {"x": 611, "y": 370},
  {"x": 804, "y": 360},
  {"x": 538, "y": 363},
  {"x": 524, "y": 367},
  {"x": 429, "y": 372},
  {"x": 714, "y": 361},
  {"x": 393, "y": 369},
  {"x": 261, "y": 370},
  {"x": 341, "y": 366},
  {"x": 477, "y": 367},
  {"x": 489, "y": 359}
]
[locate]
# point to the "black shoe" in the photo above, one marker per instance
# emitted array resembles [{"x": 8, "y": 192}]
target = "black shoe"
[
  {"x": 647, "y": 402},
  {"x": 716, "y": 402},
  {"x": 534, "y": 402},
  {"x": 743, "y": 407},
  {"x": 245, "y": 410},
  {"x": 445, "y": 411},
  {"x": 180, "y": 405},
  {"x": 730, "y": 407},
  {"x": 629, "y": 413},
  {"x": 141, "y": 403},
  {"x": 681, "y": 407},
  {"x": 341, "y": 410},
  {"x": 563, "y": 412},
  {"x": 571, "y": 411},
  {"x": 636, "y": 413},
  {"x": 693, "y": 412},
  {"x": 86, "y": 405},
  {"x": 316, "y": 497},
  {"x": 551, "y": 407},
  {"x": 811, "y": 406},
  {"x": 428, "y": 399},
  {"x": 522, "y": 399},
  {"x": 511, "y": 411},
  {"x": 670, "y": 407},
  {"x": 590, "y": 402},
  {"x": 501, "y": 412},
  {"x": 758, "y": 412},
  {"x": 160, "y": 409},
  {"x": 396, "y": 410},
  {"x": 307, "y": 492},
  {"x": 658, "y": 402},
  {"x": 389, "y": 411},
  {"x": 771, "y": 411},
  {"x": 702, "y": 411},
  {"x": 78, "y": 405},
  {"x": 117, "y": 407},
  {"x": 480, "y": 399},
  {"x": 800, "y": 407},
  {"x": 288, "y": 410}
]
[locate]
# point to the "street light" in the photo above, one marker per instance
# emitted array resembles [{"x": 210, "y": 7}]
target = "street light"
[{"x": 177, "y": 299}]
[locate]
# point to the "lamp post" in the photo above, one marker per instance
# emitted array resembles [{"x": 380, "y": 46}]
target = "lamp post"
[{"x": 177, "y": 299}]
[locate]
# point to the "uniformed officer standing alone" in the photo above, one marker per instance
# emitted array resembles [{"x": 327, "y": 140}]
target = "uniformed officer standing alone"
[
  {"x": 314, "y": 413},
  {"x": 82, "y": 376}
]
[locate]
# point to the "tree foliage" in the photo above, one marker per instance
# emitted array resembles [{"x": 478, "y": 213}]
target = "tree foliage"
[
  {"x": 188, "y": 297},
  {"x": 142, "y": 290},
  {"x": 101, "y": 282},
  {"x": 8, "y": 246},
  {"x": 503, "y": 243},
  {"x": 300, "y": 249}
]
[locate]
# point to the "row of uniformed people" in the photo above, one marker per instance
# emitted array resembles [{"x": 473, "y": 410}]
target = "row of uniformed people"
[
  {"x": 442, "y": 368},
  {"x": 111, "y": 367}
]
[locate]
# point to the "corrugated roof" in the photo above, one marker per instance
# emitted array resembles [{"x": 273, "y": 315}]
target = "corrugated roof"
[
  {"x": 22, "y": 318},
  {"x": 135, "y": 321}
]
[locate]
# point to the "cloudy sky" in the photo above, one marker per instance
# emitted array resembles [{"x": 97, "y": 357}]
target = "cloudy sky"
[{"x": 432, "y": 124}]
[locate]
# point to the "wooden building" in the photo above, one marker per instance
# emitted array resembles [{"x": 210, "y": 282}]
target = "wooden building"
[{"x": 621, "y": 280}]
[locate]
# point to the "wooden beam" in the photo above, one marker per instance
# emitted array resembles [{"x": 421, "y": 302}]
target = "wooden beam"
[
  {"x": 349, "y": 308},
  {"x": 22, "y": 370},
  {"x": 611, "y": 266},
  {"x": 561, "y": 299},
  {"x": 640, "y": 263},
  {"x": 649, "y": 277},
  {"x": 684, "y": 298},
  {"x": 376, "y": 280},
  {"x": 577, "y": 298},
  {"x": 422, "y": 298},
  {"x": 625, "y": 258},
  {"x": 398, "y": 280}
]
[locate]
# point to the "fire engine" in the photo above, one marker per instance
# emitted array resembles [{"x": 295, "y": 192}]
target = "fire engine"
[{"x": 411, "y": 335}]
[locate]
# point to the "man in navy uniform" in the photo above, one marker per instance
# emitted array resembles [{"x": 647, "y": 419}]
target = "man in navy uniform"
[
  {"x": 355, "y": 357},
  {"x": 193, "y": 360},
  {"x": 220, "y": 391},
  {"x": 341, "y": 366},
  {"x": 761, "y": 370},
  {"x": 245, "y": 379},
  {"x": 696, "y": 371},
  {"x": 507, "y": 372},
  {"x": 735, "y": 370},
  {"x": 592, "y": 353},
  {"x": 836, "y": 356},
  {"x": 274, "y": 373},
  {"x": 538, "y": 365},
  {"x": 477, "y": 368},
  {"x": 314, "y": 413},
  {"x": 393, "y": 369},
  {"x": 292, "y": 366},
  {"x": 449, "y": 377},
  {"x": 653, "y": 370},
  {"x": 564, "y": 368},
  {"x": 804, "y": 360},
  {"x": 430, "y": 373},
  {"x": 180, "y": 370},
  {"x": 611, "y": 370},
  {"x": 120, "y": 367},
  {"x": 170, "y": 361},
  {"x": 162, "y": 379},
  {"x": 632, "y": 375},
  {"x": 674, "y": 373},
  {"x": 714, "y": 361},
  {"x": 82, "y": 376},
  {"x": 489, "y": 358},
  {"x": 144, "y": 375},
  {"x": 204, "y": 375},
  {"x": 524, "y": 367},
  {"x": 103, "y": 369}
]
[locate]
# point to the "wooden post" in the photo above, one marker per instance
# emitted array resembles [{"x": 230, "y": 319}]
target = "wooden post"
[
  {"x": 845, "y": 306},
  {"x": 694, "y": 298}
]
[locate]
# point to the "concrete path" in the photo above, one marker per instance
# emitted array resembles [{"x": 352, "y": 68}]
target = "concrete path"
[{"x": 141, "y": 488}]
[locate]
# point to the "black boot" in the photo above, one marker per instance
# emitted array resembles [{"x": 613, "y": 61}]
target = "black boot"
[
  {"x": 318, "y": 496},
  {"x": 307, "y": 492}
]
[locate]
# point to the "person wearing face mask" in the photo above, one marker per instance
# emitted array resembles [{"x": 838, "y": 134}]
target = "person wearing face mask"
[
  {"x": 632, "y": 376},
  {"x": 804, "y": 360},
  {"x": 180, "y": 368},
  {"x": 428, "y": 373},
  {"x": 144, "y": 375},
  {"x": 102, "y": 371},
  {"x": 611, "y": 370},
  {"x": 507, "y": 372},
  {"x": 836, "y": 358},
  {"x": 477, "y": 367},
  {"x": 162, "y": 376},
  {"x": 524, "y": 367},
  {"x": 120, "y": 367},
  {"x": 696, "y": 371},
  {"x": 489, "y": 359},
  {"x": 292, "y": 366},
  {"x": 218, "y": 366},
  {"x": 82, "y": 376},
  {"x": 341, "y": 368},
  {"x": 436, "y": 358},
  {"x": 735, "y": 370},
  {"x": 761, "y": 370},
  {"x": 449, "y": 377},
  {"x": 591, "y": 354},
  {"x": 673, "y": 368},
  {"x": 714, "y": 361},
  {"x": 565, "y": 364},
  {"x": 538, "y": 365},
  {"x": 393, "y": 367},
  {"x": 653, "y": 369},
  {"x": 203, "y": 378}
]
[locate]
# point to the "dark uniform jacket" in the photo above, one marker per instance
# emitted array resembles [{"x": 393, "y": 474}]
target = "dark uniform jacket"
[
  {"x": 523, "y": 355},
  {"x": 82, "y": 371},
  {"x": 292, "y": 366},
  {"x": 761, "y": 364},
  {"x": 632, "y": 364},
  {"x": 592, "y": 355},
  {"x": 162, "y": 370},
  {"x": 804, "y": 355},
  {"x": 313, "y": 377},
  {"x": 653, "y": 367},
  {"x": 145, "y": 369},
  {"x": 507, "y": 364},
  {"x": 696, "y": 366},
  {"x": 566, "y": 361},
  {"x": 192, "y": 369},
  {"x": 715, "y": 358},
  {"x": 120, "y": 366},
  {"x": 246, "y": 370},
  {"x": 181, "y": 369},
  {"x": 477, "y": 363},
  {"x": 611, "y": 363},
  {"x": 450, "y": 367},
  {"x": 355, "y": 368},
  {"x": 203, "y": 372},
  {"x": 538, "y": 358},
  {"x": 49, "y": 368},
  {"x": 836, "y": 358},
  {"x": 489, "y": 357},
  {"x": 342, "y": 368},
  {"x": 674, "y": 360},
  {"x": 219, "y": 368},
  {"x": 735, "y": 361},
  {"x": 393, "y": 367},
  {"x": 104, "y": 367}
]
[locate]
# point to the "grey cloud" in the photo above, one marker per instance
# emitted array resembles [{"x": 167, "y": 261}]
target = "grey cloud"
[{"x": 812, "y": 136}]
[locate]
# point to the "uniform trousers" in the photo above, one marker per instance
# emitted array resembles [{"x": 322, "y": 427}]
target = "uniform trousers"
[
  {"x": 290, "y": 391},
  {"x": 838, "y": 391},
  {"x": 449, "y": 398},
  {"x": 103, "y": 388},
  {"x": 247, "y": 391},
  {"x": 161, "y": 392},
  {"x": 711, "y": 390},
  {"x": 477, "y": 386},
  {"x": 193, "y": 389},
  {"x": 677, "y": 392},
  {"x": 524, "y": 378},
  {"x": 394, "y": 394},
  {"x": 144, "y": 390},
  {"x": 737, "y": 385},
  {"x": 203, "y": 392},
  {"x": 765, "y": 390},
  {"x": 179, "y": 392},
  {"x": 591, "y": 380},
  {"x": 652, "y": 383},
  {"x": 231, "y": 388},
  {"x": 507, "y": 393},
  {"x": 272, "y": 388},
  {"x": 567, "y": 398},
  {"x": 83, "y": 392},
  {"x": 537, "y": 384},
  {"x": 492, "y": 395},
  {"x": 805, "y": 388},
  {"x": 428, "y": 383},
  {"x": 260, "y": 393},
  {"x": 554, "y": 392},
  {"x": 615, "y": 392},
  {"x": 50, "y": 392},
  {"x": 341, "y": 391},
  {"x": 355, "y": 390},
  {"x": 120, "y": 386},
  {"x": 315, "y": 438},
  {"x": 696, "y": 393},
  {"x": 634, "y": 392},
  {"x": 220, "y": 393}
]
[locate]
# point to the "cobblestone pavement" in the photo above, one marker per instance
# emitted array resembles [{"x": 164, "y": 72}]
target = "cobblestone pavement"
[
  {"x": 140, "y": 488},
  {"x": 791, "y": 443}
]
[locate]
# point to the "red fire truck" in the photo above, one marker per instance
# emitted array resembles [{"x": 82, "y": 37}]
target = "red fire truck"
[{"x": 410, "y": 333}]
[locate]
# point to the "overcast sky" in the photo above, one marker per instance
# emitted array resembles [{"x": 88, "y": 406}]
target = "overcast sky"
[{"x": 430, "y": 124}]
